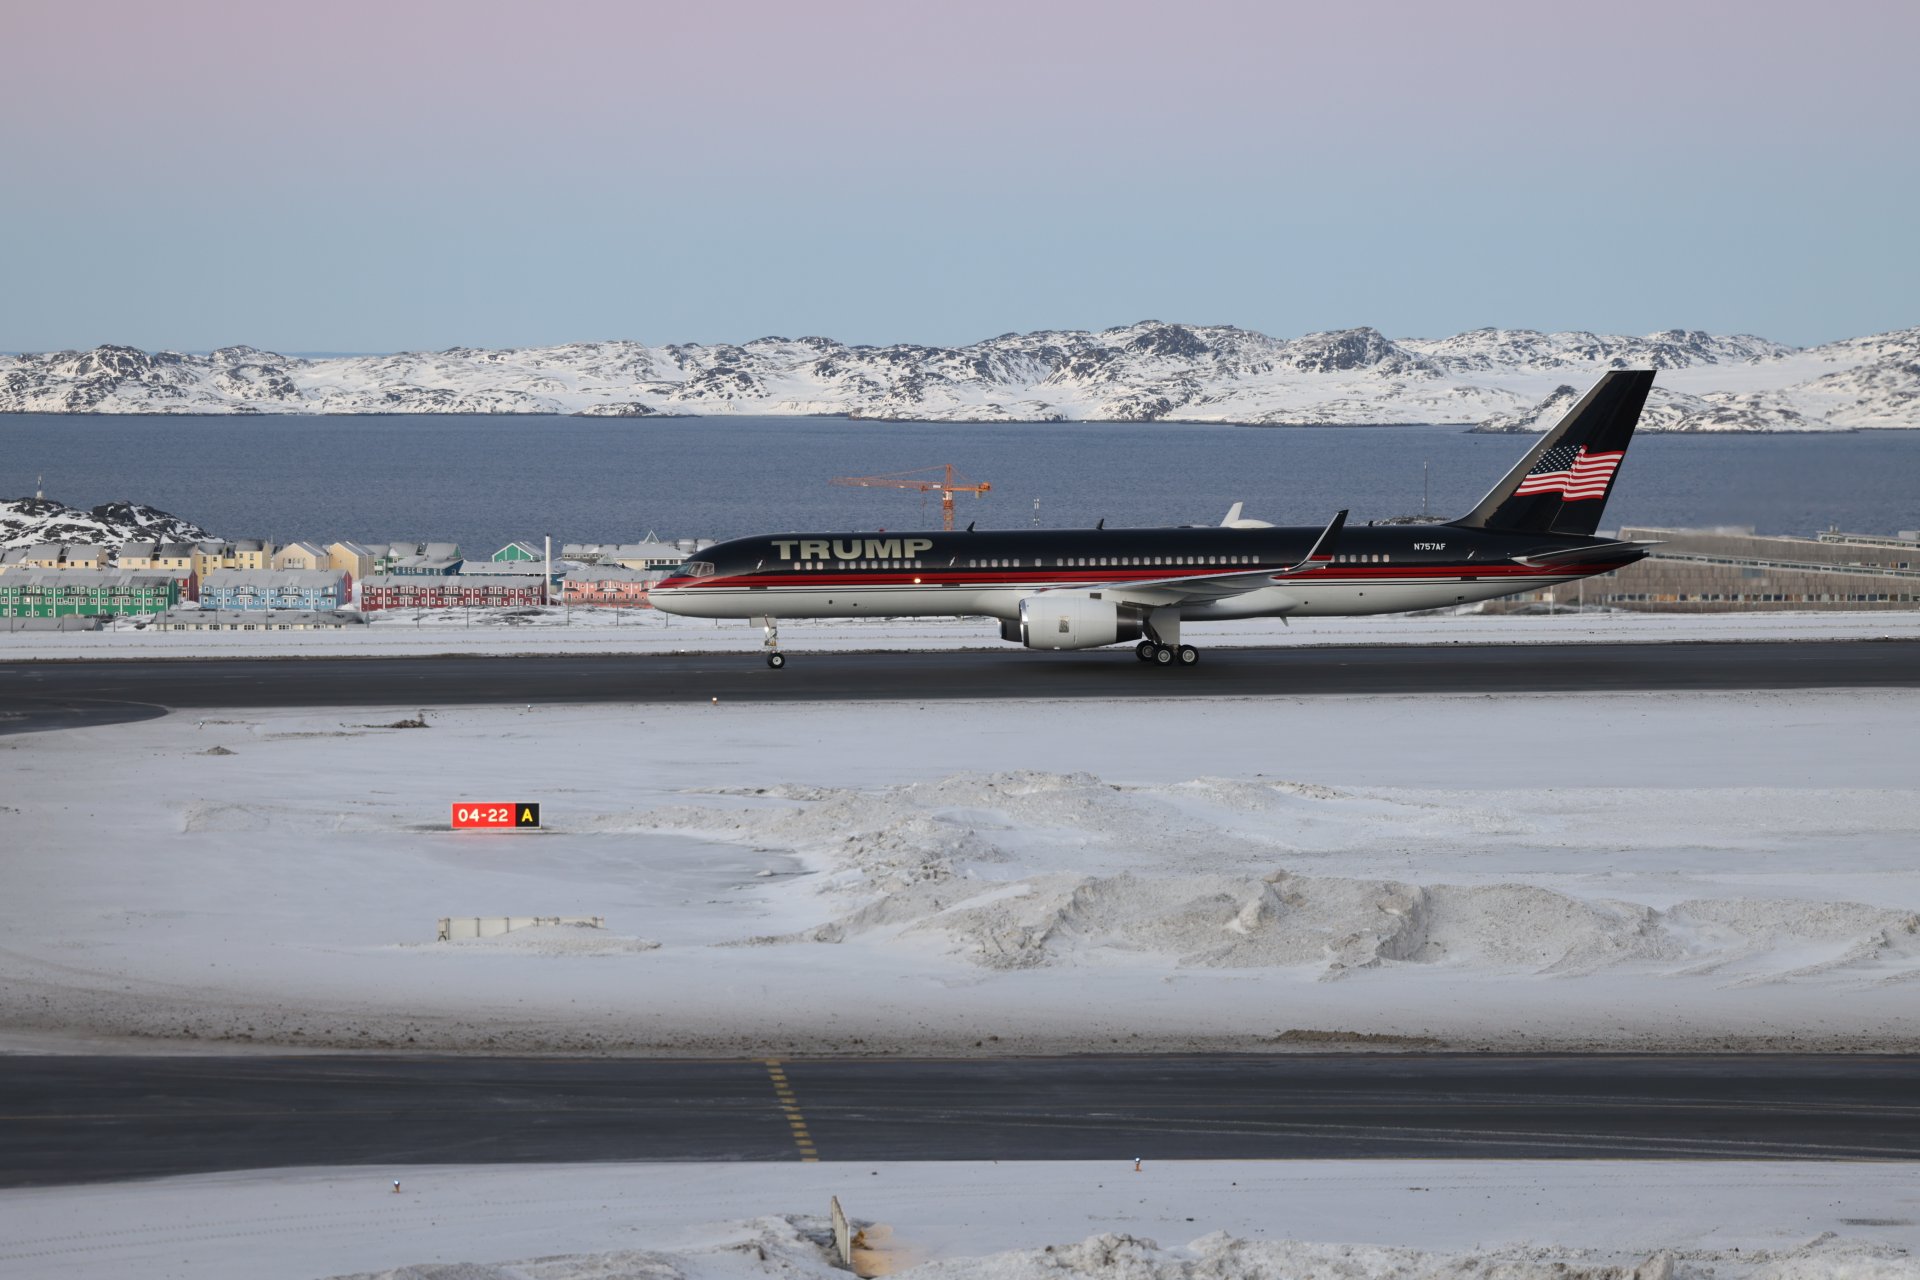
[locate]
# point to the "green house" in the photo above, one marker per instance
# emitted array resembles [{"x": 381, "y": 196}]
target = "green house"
[{"x": 65, "y": 593}]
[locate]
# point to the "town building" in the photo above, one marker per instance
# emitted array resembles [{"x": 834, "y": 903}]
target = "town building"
[
  {"x": 302, "y": 555},
  {"x": 418, "y": 591},
  {"x": 432, "y": 559},
  {"x": 257, "y": 620},
  {"x": 135, "y": 555},
  {"x": 522, "y": 551},
  {"x": 649, "y": 553},
  {"x": 66, "y": 622},
  {"x": 609, "y": 585},
  {"x": 52, "y": 593},
  {"x": 351, "y": 557},
  {"x": 251, "y": 553},
  {"x": 82, "y": 556},
  {"x": 44, "y": 555},
  {"x": 174, "y": 557},
  {"x": 321, "y": 589}
]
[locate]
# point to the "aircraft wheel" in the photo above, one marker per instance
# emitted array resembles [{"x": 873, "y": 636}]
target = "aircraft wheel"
[
  {"x": 1162, "y": 656},
  {"x": 776, "y": 660},
  {"x": 1144, "y": 651},
  {"x": 1188, "y": 655}
]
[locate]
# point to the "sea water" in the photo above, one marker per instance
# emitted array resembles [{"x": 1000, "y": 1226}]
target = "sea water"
[{"x": 483, "y": 480}]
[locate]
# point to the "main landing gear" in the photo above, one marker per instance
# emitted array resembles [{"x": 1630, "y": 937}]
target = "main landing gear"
[{"x": 1166, "y": 655}]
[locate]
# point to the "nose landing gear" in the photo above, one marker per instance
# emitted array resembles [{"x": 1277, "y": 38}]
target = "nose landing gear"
[{"x": 775, "y": 658}]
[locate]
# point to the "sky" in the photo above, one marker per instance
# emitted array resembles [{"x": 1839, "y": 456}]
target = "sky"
[{"x": 411, "y": 174}]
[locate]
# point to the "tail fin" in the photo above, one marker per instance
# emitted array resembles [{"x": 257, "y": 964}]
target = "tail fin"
[{"x": 1562, "y": 484}]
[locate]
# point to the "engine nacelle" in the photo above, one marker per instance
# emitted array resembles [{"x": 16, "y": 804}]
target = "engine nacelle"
[{"x": 1059, "y": 620}]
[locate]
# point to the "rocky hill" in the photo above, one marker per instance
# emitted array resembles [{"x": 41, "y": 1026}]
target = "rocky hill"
[
  {"x": 26, "y": 522},
  {"x": 1505, "y": 378}
]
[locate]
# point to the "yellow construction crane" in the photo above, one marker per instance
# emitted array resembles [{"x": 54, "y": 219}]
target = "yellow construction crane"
[{"x": 941, "y": 480}]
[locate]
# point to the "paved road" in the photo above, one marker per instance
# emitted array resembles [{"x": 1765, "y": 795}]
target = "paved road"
[
  {"x": 86, "y": 1119},
  {"x": 46, "y": 694}
]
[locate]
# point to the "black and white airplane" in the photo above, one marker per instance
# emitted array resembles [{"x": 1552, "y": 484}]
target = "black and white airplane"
[{"x": 1084, "y": 588}]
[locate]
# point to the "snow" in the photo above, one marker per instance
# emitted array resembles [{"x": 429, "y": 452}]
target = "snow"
[
  {"x": 1619, "y": 871},
  {"x": 1451, "y": 1220},
  {"x": 501, "y": 632},
  {"x": 1142, "y": 372},
  {"x": 26, "y": 522}
]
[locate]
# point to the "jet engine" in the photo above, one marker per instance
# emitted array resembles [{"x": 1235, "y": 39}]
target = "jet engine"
[{"x": 1061, "y": 620}]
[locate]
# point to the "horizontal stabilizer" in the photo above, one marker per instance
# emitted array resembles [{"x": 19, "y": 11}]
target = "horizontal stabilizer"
[{"x": 1543, "y": 557}]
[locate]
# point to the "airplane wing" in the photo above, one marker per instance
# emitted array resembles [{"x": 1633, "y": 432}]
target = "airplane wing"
[{"x": 1195, "y": 588}]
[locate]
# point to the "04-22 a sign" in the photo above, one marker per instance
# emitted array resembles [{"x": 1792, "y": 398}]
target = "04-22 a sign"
[{"x": 495, "y": 817}]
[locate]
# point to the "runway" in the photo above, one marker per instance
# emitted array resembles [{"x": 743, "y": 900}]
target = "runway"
[
  {"x": 49, "y": 694},
  {"x": 82, "y": 1119}
]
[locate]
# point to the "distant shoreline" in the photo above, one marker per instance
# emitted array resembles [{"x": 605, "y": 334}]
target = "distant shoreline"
[{"x": 1465, "y": 428}]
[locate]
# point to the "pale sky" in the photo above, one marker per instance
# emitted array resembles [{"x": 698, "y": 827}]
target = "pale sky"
[{"x": 372, "y": 176}]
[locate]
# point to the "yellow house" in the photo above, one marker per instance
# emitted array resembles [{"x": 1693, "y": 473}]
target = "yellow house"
[
  {"x": 301, "y": 555},
  {"x": 208, "y": 556},
  {"x": 350, "y": 557},
  {"x": 44, "y": 556},
  {"x": 134, "y": 555},
  {"x": 252, "y": 553},
  {"x": 174, "y": 557},
  {"x": 82, "y": 556}
]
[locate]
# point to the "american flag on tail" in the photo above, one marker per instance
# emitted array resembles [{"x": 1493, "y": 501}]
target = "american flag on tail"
[{"x": 1571, "y": 472}]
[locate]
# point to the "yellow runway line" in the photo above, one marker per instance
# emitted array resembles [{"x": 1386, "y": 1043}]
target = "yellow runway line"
[{"x": 790, "y": 1106}]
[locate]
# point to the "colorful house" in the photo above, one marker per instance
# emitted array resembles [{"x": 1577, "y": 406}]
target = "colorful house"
[
  {"x": 419, "y": 591},
  {"x": 351, "y": 557},
  {"x": 608, "y": 586},
  {"x": 53, "y": 593},
  {"x": 323, "y": 589},
  {"x": 174, "y": 557},
  {"x": 251, "y": 553},
  {"x": 644, "y": 555},
  {"x": 302, "y": 555}
]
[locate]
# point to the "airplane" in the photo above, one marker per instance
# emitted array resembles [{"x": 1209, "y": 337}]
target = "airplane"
[{"x": 1070, "y": 589}]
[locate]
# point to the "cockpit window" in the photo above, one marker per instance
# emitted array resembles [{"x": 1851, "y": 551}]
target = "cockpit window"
[{"x": 695, "y": 569}]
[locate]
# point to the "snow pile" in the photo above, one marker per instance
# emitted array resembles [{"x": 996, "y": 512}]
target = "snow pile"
[
  {"x": 1225, "y": 1257},
  {"x": 930, "y": 861},
  {"x": 1149, "y": 371},
  {"x": 793, "y": 1246}
]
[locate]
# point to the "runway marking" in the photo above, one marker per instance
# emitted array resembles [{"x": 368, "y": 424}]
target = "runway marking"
[{"x": 790, "y": 1106}]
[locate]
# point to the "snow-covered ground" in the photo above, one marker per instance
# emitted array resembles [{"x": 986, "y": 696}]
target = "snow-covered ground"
[
  {"x": 1209, "y": 1220},
  {"x": 1668, "y": 870},
  {"x": 404, "y": 632}
]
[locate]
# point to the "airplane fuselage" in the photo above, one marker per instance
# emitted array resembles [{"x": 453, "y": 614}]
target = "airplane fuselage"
[{"x": 1374, "y": 569}]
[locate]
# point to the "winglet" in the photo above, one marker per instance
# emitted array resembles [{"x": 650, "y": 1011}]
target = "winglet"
[{"x": 1322, "y": 545}]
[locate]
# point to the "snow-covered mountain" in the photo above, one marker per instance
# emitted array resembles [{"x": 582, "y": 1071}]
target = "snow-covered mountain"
[
  {"x": 26, "y": 522},
  {"x": 1138, "y": 373}
]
